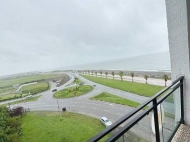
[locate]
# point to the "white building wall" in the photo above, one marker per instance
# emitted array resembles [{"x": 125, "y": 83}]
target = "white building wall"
[{"x": 179, "y": 46}]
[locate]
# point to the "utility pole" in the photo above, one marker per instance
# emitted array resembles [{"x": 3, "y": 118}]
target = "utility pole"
[
  {"x": 21, "y": 92},
  {"x": 59, "y": 109}
]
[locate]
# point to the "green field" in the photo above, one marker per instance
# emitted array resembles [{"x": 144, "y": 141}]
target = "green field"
[
  {"x": 9, "y": 96},
  {"x": 133, "y": 87},
  {"x": 29, "y": 78},
  {"x": 6, "y": 89},
  {"x": 114, "y": 99},
  {"x": 35, "y": 88},
  {"x": 73, "y": 91},
  {"x": 47, "y": 127},
  {"x": 22, "y": 101},
  {"x": 26, "y": 100}
]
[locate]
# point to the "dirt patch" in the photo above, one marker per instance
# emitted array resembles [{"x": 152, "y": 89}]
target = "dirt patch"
[{"x": 65, "y": 79}]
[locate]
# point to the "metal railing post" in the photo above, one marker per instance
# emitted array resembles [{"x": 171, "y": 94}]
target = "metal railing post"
[
  {"x": 157, "y": 132},
  {"x": 182, "y": 102},
  {"x": 166, "y": 92}
]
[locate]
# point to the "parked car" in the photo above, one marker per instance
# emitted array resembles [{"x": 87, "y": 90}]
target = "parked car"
[
  {"x": 54, "y": 90},
  {"x": 94, "y": 85},
  {"x": 105, "y": 121}
]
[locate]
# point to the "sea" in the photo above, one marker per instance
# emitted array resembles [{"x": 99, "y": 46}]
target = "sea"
[{"x": 150, "y": 62}]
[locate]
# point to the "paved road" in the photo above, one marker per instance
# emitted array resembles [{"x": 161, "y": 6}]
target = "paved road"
[
  {"x": 89, "y": 107},
  {"x": 117, "y": 92},
  {"x": 53, "y": 86},
  {"x": 169, "y": 107},
  {"x": 80, "y": 104}
]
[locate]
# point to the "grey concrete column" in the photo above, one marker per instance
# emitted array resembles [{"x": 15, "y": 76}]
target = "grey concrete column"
[{"x": 178, "y": 34}]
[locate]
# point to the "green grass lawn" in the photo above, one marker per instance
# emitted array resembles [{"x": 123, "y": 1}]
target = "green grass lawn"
[
  {"x": 133, "y": 87},
  {"x": 73, "y": 91},
  {"x": 77, "y": 81},
  {"x": 6, "y": 89},
  {"x": 9, "y": 96},
  {"x": 22, "y": 101},
  {"x": 35, "y": 88},
  {"x": 47, "y": 127},
  {"x": 26, "y": 100},
  {"x": 28, "y": 78},
  {"x": 115, "y": 99}
]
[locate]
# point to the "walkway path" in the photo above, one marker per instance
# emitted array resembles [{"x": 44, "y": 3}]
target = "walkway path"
[{"x": 153, "y": 81}]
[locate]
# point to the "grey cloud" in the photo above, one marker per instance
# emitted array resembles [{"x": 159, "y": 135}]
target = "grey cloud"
[{"x": 49, "y": 34}]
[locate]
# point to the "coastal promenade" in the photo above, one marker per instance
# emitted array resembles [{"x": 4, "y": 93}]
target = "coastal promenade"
[{"x": 140, "y": 79}]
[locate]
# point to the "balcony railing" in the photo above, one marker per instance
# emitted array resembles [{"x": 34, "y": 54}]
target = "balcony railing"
[{"x": 155, "y": 120}]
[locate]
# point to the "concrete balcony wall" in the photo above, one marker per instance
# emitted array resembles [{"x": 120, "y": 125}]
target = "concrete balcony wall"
[{"x": 178, "y": 34}]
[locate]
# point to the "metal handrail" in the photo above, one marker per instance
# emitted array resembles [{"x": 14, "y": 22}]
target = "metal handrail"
[{"x": 141, "y": 115}]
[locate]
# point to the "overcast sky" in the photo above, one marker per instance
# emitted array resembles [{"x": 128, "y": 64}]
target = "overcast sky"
[{"x": 44, "y": 34}]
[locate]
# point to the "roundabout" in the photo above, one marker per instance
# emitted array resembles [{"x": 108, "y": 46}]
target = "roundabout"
[
  {"x": 73, "y": 91},
  {"x": 82, "y": 104}
]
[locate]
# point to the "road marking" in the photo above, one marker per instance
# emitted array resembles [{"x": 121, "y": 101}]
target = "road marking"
[{"x": 120, "y": 114}]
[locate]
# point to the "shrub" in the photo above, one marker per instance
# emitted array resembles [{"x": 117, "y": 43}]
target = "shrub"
[{"x": 16, "y": 111}]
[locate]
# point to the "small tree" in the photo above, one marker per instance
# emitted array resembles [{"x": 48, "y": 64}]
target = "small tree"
[
  {"x": 96, "y": 73},
  {"x": 146, "y": 77},
  {"x": 101, "y": 73},
  {"x": 113, "y": 74},
  {"x": 165, "y": 77},
  {"x": 121, "y": 75},
  {"x": 92, "y": 72},
  {"x": 16, "y": 111},
  {"x": 88, "y": 72},
  {"x": 75, "y": 78},
  {"x": 132, "y": 75},
  {"x": 106, "y": 73}
]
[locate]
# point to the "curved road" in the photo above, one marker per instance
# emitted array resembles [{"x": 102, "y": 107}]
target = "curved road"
[
  {"x": 89, "y": 107},
  {"x": 80, "y": 104}
]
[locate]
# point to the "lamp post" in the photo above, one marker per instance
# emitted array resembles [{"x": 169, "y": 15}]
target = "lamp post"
[{"x": 59, "y": 109}]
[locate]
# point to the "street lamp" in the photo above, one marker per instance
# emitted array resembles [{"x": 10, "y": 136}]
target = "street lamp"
[{"x": 59, "y": 109}]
